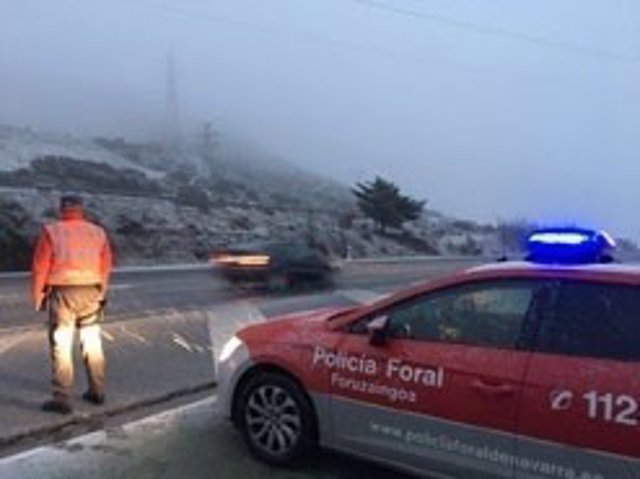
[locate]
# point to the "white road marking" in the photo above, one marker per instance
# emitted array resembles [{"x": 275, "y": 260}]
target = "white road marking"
[
  {"x": 6, "y": 344},
  {"x": 108, "y": 336},
  {"x": 14, "y": 336},
  {"x": 45, "y": 460},
  {"x": 180, "y": 341},
  {"x": 131, "y": 334}
]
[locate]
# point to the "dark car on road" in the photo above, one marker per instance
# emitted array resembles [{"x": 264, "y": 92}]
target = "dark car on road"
[{"x": 278, "y": 265}]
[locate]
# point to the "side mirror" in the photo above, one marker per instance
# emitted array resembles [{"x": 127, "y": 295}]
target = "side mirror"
[{"x": 378, "y": 330}]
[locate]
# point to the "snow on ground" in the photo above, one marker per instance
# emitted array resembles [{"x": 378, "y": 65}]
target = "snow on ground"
[{"x": 19, "y": 146}]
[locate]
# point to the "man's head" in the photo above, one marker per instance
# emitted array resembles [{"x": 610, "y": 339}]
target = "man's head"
[{"x": 71, "y": 203}]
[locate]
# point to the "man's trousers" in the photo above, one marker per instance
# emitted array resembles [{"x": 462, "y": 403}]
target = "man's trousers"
[{"x": 71, "y": 308}]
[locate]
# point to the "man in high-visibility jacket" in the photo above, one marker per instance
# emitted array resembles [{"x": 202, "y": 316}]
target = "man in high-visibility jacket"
[{"x": 70, "y": 273}]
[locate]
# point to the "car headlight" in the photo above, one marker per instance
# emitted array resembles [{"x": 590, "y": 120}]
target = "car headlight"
[{"x": 229, "y": 348}]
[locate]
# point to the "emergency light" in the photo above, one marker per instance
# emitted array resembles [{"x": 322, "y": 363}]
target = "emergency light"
[{"x": 569, "y": 245}]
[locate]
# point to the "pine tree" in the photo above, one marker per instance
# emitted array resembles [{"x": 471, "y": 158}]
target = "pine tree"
[{"x": 382, "y": 201}]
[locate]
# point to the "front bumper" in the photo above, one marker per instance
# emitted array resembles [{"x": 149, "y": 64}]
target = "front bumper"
[{"x": 229, "y": 370}]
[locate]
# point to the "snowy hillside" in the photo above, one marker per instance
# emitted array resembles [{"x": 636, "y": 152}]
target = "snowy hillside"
[
  {"x": 19, "y": 146},
  {"x": 161, "y": 206}
]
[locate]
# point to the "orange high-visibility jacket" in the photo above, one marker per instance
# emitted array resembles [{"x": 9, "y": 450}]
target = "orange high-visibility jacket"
[{"x": 71, "y": 251}]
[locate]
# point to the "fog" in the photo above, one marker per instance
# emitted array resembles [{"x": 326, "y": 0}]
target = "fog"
[{"x": 489, "y": 110}]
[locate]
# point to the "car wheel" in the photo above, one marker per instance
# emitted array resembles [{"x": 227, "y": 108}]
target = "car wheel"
[{"x": 276, "y": 419}]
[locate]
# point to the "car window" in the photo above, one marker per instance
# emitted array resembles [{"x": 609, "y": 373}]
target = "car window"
[
  {"x": 486, "y": 314},
  {"x": 594, "y": 320},
  {"x": 299, "y": 251},
  {"x": 276, "y": 249}
]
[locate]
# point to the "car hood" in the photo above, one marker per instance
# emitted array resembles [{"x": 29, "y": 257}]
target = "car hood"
[{"x": 292, "y": 325}]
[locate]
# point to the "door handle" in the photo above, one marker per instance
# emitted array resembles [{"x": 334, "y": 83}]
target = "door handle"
[{"x": 492, "y": 389}]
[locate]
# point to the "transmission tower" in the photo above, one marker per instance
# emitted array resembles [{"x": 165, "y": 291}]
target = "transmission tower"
[{"x": 172, "y": 130}]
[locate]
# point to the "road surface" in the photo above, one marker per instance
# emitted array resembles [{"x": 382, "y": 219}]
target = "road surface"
[
  {"x": 192, "y": 441},
  {"x": 155, "y": 292}
]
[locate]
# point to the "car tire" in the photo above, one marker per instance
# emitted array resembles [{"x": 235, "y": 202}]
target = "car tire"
[{"x": 276, "y": 418}]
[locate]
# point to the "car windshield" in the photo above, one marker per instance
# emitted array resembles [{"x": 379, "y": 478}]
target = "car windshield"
[{"x": 184, "y": 180}]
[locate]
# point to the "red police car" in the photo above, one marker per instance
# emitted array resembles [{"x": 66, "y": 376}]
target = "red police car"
[{"x": 517, "y": 369}]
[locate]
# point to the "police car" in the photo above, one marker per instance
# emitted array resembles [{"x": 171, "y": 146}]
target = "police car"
[{"x": 517, "y": 369}]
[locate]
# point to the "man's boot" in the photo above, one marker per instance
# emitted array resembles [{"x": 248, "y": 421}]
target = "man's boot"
[
  {"x": 93, "y": 398},
  {"x": 57, "y": 405}
]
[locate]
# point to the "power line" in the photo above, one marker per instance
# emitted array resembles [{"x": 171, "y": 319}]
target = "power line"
[
  {"x": 341, "y": 45},
  {"x": 381, "y": 51},
  {"x": 362, "y": 48},
  {"x": 498, "y": 31}
]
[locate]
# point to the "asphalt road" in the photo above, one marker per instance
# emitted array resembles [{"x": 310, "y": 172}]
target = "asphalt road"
[
  {"x": 155, "y": 292},
  {"x": 193, "y": 441}
]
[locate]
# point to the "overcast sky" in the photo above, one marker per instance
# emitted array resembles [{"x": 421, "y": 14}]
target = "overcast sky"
[{"x": 488, "y": 109}]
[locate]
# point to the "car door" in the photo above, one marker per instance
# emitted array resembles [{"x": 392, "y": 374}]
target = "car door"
[
  {"x": 580, "y": 414},
  {"x": 305, "y": 261},
  {"x": 442, "y": 393}
]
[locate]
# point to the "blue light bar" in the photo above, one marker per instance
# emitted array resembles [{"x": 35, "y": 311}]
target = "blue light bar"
[
  {"x": 553, "y": 237},
  {"x": 569, "y": 245}
]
